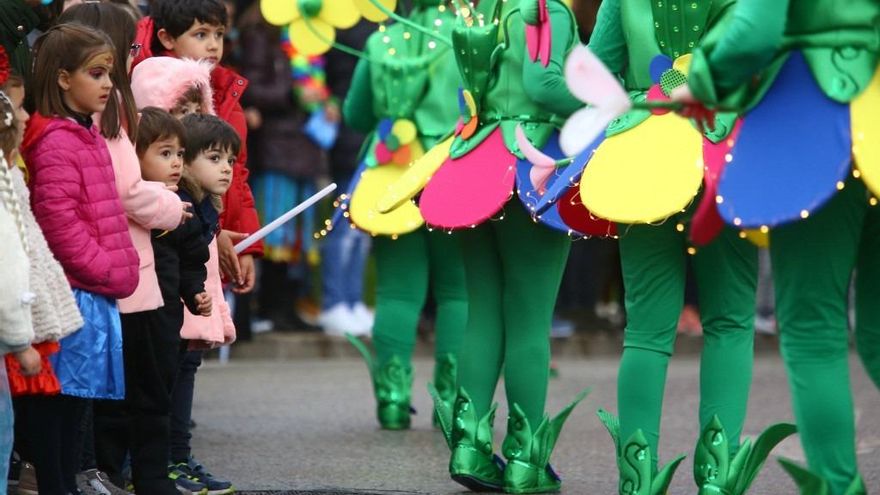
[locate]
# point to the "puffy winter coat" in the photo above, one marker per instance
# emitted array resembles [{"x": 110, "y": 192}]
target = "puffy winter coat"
[
  {"x": 148, "y": 205},
  {"x": 75, "y": 202},
  {"x": 239, "y": 212}
]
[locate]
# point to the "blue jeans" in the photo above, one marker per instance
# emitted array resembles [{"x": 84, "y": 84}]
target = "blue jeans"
[
  {"x": 6, "y": 426},
  {"x": 343, "y": 256}
]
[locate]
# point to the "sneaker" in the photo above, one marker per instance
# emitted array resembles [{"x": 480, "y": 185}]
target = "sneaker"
[
  {"x": 186, "y": 485},
  {"x": 14, "y": 472},
  {"x": 94, "y": 482},
  {"x": 339, "y": 320},
  {"x": 27, "y": 480},
  {"x": 215, "y": 486},
  {"x": 365, "y": 315}
]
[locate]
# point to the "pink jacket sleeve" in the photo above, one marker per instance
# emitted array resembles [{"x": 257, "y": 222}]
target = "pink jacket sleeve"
[
  {"x": 56, "y": 191},
  {"x": 146, "y": 203}
]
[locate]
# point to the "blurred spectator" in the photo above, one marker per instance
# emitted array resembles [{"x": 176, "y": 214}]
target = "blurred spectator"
[
  {"x": 344, "y": 250},
  {"x": 285, "y": 162}
]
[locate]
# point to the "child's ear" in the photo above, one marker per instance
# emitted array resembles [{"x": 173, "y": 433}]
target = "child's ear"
[
  {"x": 64, "y": 79},
  {"x": 166, "y": 39}
]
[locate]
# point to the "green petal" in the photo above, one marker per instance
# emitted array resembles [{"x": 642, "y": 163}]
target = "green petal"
[
  {"x": 807, "y": 482},
  {"x": 765, "y": 443}
]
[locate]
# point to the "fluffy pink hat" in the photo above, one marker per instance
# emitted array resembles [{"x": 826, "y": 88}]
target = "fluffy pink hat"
[{"x": 162, "y": 81}]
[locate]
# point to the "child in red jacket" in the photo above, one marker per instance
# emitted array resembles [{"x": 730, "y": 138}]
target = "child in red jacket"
[{"x": 194, "y": 29}]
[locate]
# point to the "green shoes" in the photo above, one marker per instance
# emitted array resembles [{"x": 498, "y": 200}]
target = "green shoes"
[
  {"x": 528, "y": 452},
  {"x": 445, "y": 372},
  {"x": 717, "y": 474},
  {"x": 812, "y": 484},
  {"x": 637, "y": 475},
  {"x": 473, "y": 463},
  {"x": 392, "y": 386}
]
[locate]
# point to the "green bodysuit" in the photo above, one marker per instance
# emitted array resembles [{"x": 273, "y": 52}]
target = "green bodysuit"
[
  {"x": 628, "y": 35},
  {"x": 813, "y": 259},
  {"x": 412, "y": 77}
]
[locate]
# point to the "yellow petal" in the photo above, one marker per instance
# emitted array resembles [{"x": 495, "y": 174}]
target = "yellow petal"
[
  {"x": 279, "y": 12},
  {"x": 405, "y": 131},
  {"x": 645, "y": 174},
  {"x": 866, "y": 134},
  {"x": 339, "y": 13},
  {"x": 371, "y": 12},
  {"x": 683, "y": 63},
  {"x": 415, "y": 178},
  {"x": 306, "y": 41}
]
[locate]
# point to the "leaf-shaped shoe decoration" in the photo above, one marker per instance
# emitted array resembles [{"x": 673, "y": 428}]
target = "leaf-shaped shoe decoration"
[
  {"x": 712, "y": 455},
  {"x": 634, "y": 462},
  {"x": 443, "y": 413},
  {"x": 473, "y": 463},
  {"x": 362, "y": 349},
  {"x": 766, "y": 441},
  {"x": 518, "y": 442},
  {"x": 807, "y": 482}
]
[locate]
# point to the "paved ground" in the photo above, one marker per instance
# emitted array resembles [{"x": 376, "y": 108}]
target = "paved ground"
[{"x": 307, "y": 426}]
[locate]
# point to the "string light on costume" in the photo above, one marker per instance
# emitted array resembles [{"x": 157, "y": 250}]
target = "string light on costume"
[
  {"x": 856, "y": 173},
  {"x": 804, "y": 215},
  {"x": 872, "y": 201},
  {"x": 840, "y": 185},
  {"x": 764, "y": 229},
  {"x": 692, "y": 250}
]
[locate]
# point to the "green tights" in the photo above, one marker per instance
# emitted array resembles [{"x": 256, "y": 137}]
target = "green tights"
[
  {"x": 403, "y": 267},
  {"x": 514, "y": 268},
  {"x": 813, "y": 261},
  {"x": 654, "y": 266}
]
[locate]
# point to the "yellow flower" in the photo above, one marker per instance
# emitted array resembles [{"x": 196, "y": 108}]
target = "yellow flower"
[{"x": 313, "y": 23}]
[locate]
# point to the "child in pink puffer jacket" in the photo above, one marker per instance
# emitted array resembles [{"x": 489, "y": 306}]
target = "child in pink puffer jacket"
[{"x": 76, "y": 204}]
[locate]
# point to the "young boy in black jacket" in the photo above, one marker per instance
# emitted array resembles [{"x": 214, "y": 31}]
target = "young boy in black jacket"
[{"x": 180, "y": 257}]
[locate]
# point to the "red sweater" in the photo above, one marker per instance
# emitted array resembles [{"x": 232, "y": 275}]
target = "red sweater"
[{"x": 239, "y": 213}]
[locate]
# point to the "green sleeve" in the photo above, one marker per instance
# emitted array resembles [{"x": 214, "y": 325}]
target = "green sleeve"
[
  {"x": 745, "y": 46},
  {"x": 358, "y": 106},
  {"x": 608, "y": 42},
  {"x": 546, "y": 85}
]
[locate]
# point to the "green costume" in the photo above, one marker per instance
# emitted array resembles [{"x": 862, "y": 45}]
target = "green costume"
[
  {"x": 513, "y": 265},
  {"x": 813, "y": 259},
  {"x": 408, "y": 78},
  {"x": 630, "y": 36}
]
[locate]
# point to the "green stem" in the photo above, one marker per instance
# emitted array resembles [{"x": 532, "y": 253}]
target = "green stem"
[{"x": 407, "y": 22}]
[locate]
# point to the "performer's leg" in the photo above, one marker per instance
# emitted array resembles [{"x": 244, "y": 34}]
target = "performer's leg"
[
  {"x": 449, "y": 291},
  {"x": 868, "y": 296},
  {"x": 727, "y": 271},
  {"x": 481, "y": 352},
  {"x": 653, "y": 263},
  {"x": 813, "y": 261},
  {"x": 402, "y": 285},
  {"x": 533, "y": 259}
]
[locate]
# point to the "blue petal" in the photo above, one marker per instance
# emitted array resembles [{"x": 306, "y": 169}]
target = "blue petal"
[{"x": 659, "y": 65}]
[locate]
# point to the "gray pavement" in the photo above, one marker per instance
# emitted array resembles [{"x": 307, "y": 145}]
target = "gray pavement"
[{"x": 308, "y": 426}]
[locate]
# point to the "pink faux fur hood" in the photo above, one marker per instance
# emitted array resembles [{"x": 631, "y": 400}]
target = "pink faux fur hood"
[{"x": 162, "y": 81}]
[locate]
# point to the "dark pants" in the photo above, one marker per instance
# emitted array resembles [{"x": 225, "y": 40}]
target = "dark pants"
[
  {"x": 139, "y": 425},
  {"x": 182, "y": 401},
  {"x": 49, "y": 427}
]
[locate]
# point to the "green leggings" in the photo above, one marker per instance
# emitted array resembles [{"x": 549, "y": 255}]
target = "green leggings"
[
  {"x": 813, "y": 261},
  {"x": 403, "y": 267},
  {"x": 653, "y": 259},
  {"x": 514, "y": 268}
]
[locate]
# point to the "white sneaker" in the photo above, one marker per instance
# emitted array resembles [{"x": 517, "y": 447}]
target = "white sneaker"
[
  {"x": 365, "y": 316},
  {"x": 339, "y": 320}
]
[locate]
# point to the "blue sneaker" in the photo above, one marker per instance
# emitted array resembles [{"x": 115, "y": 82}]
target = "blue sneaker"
[
  {"x": 186, "y": 485},
  {"x": 215, "y": 486}
]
